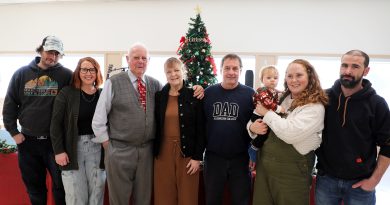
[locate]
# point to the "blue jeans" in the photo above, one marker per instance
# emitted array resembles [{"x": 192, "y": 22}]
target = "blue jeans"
[
  {"x": 35, "y": 156},
  {"x": 333, "y": 191},
  {"x": 85, "y": 186}
]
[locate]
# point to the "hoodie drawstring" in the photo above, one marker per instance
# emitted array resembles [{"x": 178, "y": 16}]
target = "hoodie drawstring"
[
  {"x": 338, "y": 107},
  {"x": 345, "y": 108}
]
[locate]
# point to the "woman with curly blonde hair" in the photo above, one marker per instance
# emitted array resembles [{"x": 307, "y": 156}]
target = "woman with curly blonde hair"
[{"x": 285, "y": 163}]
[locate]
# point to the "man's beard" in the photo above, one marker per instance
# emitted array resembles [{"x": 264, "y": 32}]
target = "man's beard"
[
  {"x": 350, "y": 83},
  {"x": 49, "y": 63}
]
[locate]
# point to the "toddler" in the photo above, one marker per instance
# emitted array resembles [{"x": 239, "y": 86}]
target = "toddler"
[{"x": 267, "y": 95}]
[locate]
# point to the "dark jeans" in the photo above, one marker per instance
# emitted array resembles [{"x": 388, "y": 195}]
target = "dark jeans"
[
  {"x": 35, "y": 156},
  {"x": 331, "y": 191},
  {"x": 219, "y": 170}
]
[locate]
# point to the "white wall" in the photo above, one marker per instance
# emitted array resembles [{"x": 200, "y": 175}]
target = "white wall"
[{"x": 264, "y": 26}]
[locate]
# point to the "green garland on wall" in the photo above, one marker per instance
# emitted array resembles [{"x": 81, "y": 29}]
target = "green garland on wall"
[{"x": 6, "y": 148}]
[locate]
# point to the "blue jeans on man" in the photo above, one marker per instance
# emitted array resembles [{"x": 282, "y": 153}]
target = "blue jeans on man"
[
  {"x": 35, "y": 156},
  {"x": 333, "y": 191}
]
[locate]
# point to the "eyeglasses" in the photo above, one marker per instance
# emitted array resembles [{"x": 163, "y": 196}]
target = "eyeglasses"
[{"x": 85, "y": 70}]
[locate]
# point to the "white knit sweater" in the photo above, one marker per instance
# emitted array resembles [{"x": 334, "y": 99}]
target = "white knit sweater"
[{"x": 302, "y": 128}]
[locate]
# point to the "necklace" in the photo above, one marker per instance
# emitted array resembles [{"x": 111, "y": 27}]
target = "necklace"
[{"x": 85, "y": 97}]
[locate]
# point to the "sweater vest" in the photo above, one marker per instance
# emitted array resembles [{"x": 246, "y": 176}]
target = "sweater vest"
[{"x": 128, "y": 122}]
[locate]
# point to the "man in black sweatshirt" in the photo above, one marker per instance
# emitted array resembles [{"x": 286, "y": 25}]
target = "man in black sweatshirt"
[
  {"x": 29, "y": 99},
  {"x": 228, "y": 107},
  {"x": 357, "y": 120}
]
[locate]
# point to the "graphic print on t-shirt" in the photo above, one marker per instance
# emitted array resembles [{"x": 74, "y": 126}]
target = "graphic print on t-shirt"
[
  {"x": 42, "y": 86},
  {"x": 225, "y": 111}
]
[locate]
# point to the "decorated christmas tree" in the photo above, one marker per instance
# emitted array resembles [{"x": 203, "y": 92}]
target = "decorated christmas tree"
[{"x": 195, "y": 53}]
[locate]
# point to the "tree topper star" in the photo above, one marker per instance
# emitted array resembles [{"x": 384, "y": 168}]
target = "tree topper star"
[{"x": 197, "y": 9}]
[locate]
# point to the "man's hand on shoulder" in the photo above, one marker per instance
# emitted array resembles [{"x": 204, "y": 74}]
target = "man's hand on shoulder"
[{"x": 198, "y": 91}]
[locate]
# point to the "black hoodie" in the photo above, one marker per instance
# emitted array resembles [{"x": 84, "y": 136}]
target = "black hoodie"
[
  {"x": 354, "y": 126},
  {"x": 30, "y": 97}
]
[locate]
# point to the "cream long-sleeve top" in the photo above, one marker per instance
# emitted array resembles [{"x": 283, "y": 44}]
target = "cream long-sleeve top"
[{"x": 302, "y": 128}]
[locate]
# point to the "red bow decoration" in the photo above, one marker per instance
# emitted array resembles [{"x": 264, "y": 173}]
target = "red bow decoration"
[
  {"x": 212, "y": 62},
  {"x": 182, "y": 42},
  {"x": 183, "y": 39}
]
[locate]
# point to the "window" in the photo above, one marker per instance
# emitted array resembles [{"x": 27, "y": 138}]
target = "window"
[
  {"x": 9, "y": 63},
  {"x": 378, "y": 76},
  {"x": 248, "y": 63},
  {"x": 70, "y": 60},
  {"x": 156, "y": 66},
  {"x": 328, "y": 71},
  {"x": 327, "y": 68}
]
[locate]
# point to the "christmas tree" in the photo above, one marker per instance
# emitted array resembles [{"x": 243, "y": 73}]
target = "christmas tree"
[{"x": 194, "y": 51}]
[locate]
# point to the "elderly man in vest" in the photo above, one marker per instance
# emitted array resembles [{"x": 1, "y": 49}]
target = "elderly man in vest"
[{"x": 124, "y": 124}]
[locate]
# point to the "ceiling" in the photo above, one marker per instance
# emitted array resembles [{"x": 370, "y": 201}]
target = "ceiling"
[
  {"x": 25, "y": 1},
  {"x": 48, "y": 1}
]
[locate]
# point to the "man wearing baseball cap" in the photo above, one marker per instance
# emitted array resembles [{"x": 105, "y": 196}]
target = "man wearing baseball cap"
[{"x": 29, "y": 99}]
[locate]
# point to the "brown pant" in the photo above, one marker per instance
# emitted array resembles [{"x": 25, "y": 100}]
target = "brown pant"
[{"x": 172, "y": 184}]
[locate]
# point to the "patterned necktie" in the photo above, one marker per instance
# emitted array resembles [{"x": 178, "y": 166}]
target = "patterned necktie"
[{"x": 142, "y": 93}]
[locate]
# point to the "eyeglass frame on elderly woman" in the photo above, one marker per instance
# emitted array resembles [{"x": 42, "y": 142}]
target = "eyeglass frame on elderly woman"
[{"x": 85, "y": 70}]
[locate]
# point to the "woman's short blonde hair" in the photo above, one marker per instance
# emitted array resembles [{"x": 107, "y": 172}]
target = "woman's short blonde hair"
[{"x": 172, "y": 61}]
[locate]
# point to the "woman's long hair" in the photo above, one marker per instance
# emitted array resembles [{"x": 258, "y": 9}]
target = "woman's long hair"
[
  {"x": 313, "y": 92},
  {"x": 76, "y": 81}
]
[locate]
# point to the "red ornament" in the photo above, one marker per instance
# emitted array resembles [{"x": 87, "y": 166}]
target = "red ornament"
[
  {"x": 183, "y": 39},
  {"x": 359, "y": 160}
]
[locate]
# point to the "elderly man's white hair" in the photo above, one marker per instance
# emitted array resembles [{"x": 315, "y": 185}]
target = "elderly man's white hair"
[{"x": 137, "y": 45}]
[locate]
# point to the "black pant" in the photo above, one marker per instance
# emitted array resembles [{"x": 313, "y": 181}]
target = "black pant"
[
  {"x": 35, "y": 156},
  {"x": 234, "y": 171}
]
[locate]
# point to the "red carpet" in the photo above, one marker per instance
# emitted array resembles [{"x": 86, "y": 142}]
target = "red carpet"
[
  {"x": 12, "y": 189},
  {"x": 13, "y": 192}
]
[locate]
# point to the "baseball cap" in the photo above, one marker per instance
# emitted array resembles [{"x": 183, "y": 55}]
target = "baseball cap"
[{"x": 53, "y": 43}]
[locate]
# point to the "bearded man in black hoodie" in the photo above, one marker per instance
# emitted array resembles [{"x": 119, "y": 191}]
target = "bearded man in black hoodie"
[
  {"x": 29, "y": 99},
  {"x": 357, "y": 120}
]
